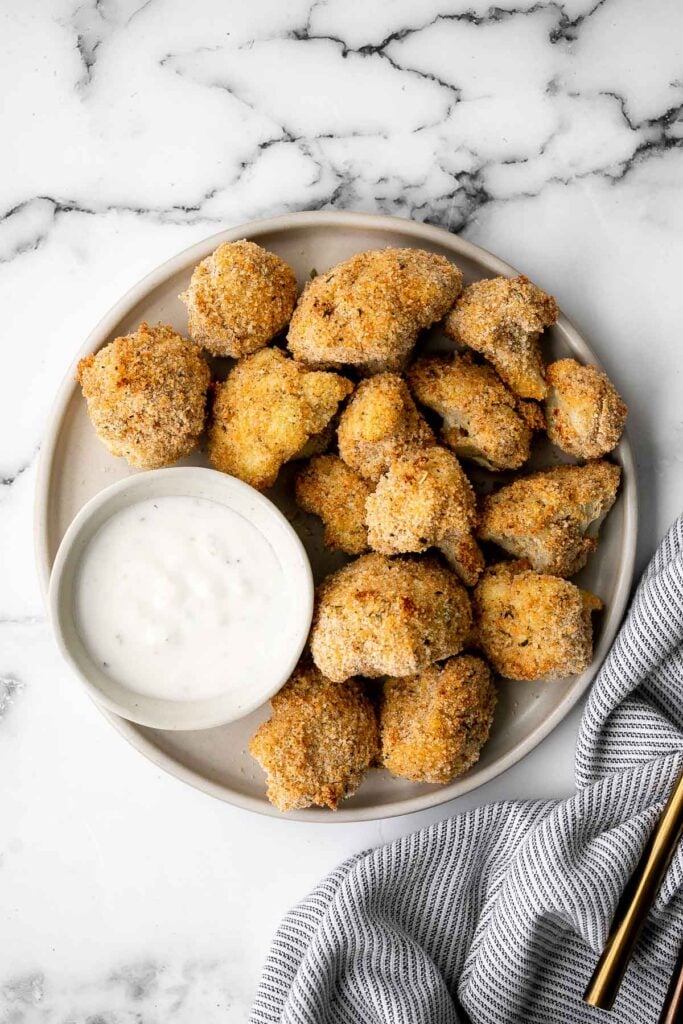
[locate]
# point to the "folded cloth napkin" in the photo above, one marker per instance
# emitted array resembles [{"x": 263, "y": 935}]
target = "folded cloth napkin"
[{"x": 497, "y": 915}]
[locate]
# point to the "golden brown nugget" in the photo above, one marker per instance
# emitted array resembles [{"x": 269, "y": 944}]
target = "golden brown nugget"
[
  {"x": 544, "y": 517},
  {"x": 388, "y": 616},
  {"x": 585, "y": 413},
  {"x": 434, "y": 725},
  {"x": 146, "y": 395},
  {"x": 533, "y": 626},
  {"x": 318, "y": 444},
  {"x": 503, "y": 319},
  {"x": 379, "y": 424},
  {"x": 368, "y": 311},
  {"x": 328, "y": 488},
  {"x": 318, "y": 742},
  {"x": 425, "y": 500},
  {"x": 482, "y": 420},
  {"x": 266, "y": 411},
  {"x": 239, "y": 298}
]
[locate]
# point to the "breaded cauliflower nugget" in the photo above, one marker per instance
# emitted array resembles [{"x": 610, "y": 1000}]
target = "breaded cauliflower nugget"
[
  {"x": 368, "y": 311},
  {"x": 379, "y": 424},
  {"x": 433, "y": 725},
  {"x": 318, "y": 444},
  {"x": 239, "y": 298},
  {"x": 266, "y": 411},
  {"x": 481, "y": 418},
  {"x": 532, "y": 626},
  {"x": 328, "y": 488},
  {"x": 388, "y": 616},
  {"x": 425, "y": 500},
  {"x": 544, "y": 517},
  {"x": 503, "y": 319},
  {"x": 319, "y": 741},
  {"x": 146, "y": 395},
  {"x": 584, "y": 411}
]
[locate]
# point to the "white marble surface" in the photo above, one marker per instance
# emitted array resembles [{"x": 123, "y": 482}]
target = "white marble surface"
[{"x": 548, "y": 132}]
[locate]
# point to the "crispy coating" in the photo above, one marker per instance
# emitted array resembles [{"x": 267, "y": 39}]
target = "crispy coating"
[
  {"x": 318, "y": 743},
  {"x": 503, "y": 319},
  {"x": 532, "y": 626},
  {"x": 146, "y": 395},
  {"x": 266, "y": 411},
  {"x": 318, "y": 443},
  {"x": 379, "y": 424},
  {"x": 328, "y": 488},
  {"x": 368, "y": 311},
  {"x": 544, "y": 517},
  {"x": 481, "y": 419},
  {"x": 433, "y": 725},
  {"x": 532, "y": 413},
  {"x": 239, "y": 298},
  {"x": 388, "y": 616},
  {"x": 425, "y": 500},
  {"x": 584, "y": 411}
]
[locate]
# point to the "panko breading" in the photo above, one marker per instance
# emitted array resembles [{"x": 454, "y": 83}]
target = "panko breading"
[
  {"x": 146, "y": 395},
  {"x": 239, "y": 298},
  {"x": 425, "y": 500},
  {"x": 584, "y": 411},
  {"x": 532, "y": 413},
  {"x": 328, "y": 488},
  {"x": 317, "y": 444},
  {"x": 319, "y": 741},
  {"x": 503, "y": 319},
  {"x": 433, "y": 725},
  {"x": 266, "y": 411},
  {"x": 388, "y": 616},
  {"x": 368, "y": 311},
  {"x": 544, "y": 517},
  {"x": 532, "y": 626},
  {"x": 481, "y": 420},
  {"x": 379, "y": 424}
]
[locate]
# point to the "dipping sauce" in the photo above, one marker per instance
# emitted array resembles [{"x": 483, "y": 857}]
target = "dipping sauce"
[{"x": 182, "y": 598}]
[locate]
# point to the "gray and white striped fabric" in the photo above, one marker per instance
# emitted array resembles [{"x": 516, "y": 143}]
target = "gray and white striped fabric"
[{"x": 497, "y": 915}]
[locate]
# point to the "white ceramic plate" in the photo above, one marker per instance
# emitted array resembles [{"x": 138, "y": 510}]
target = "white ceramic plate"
[{"x": 75, "y": 466}]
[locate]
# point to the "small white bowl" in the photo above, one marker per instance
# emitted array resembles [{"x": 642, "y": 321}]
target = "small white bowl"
[{"x": 196, "y": 482}]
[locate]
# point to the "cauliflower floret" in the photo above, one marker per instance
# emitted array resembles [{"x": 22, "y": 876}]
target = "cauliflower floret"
[
  {"x": 433, "y": 725},
  {"x": 388, "y": 616},
  {"x": 368, "y": 311},
  {"x": 328, "y": 488},
  {"x": 318, "y": 743},
  {"x": 379, "y": 424},
  {"x": 482, "y": 420},
  {"x": 146, "y": 395},
  {"x": 425, "y": 500},
  {"x": 584, "y": 411},
  {"x": 503, "y": 319},
  {"x": 239, "y": 298},
  {"x": 544, "y": 517},
  {"x": 266, "y": 411},
  {"x": 532, "y": 626}
]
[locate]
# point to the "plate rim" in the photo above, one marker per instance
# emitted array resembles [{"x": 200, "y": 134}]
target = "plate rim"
[{"x": 373, "y": 222}]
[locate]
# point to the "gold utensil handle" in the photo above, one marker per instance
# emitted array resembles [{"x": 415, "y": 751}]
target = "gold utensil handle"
[{"x": 636, "y": 901}]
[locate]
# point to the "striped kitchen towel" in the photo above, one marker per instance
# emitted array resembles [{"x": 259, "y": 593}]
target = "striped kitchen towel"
[{"x": 498, "y": 915}]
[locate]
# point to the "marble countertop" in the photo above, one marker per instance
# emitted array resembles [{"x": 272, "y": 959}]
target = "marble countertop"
[{"x": 550, "y": 133}]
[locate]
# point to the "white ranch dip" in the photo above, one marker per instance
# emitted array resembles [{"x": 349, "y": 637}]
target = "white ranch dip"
[{"x": 180, "y": 598}]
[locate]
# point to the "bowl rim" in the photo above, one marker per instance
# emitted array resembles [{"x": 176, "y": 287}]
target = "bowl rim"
[
  {"x": 421, "y": 233},
  {"x": 171, "y": 481}
]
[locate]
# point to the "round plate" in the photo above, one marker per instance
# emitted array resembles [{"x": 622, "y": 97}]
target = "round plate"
[{"x": 75, "y": 466}]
